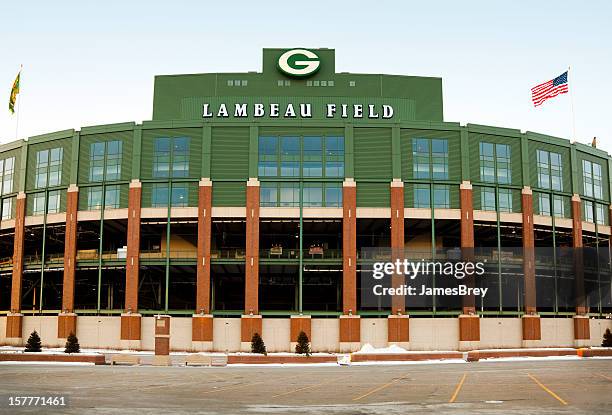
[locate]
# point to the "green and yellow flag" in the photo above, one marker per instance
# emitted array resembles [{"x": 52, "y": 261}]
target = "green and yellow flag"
[{"x": 14, "y": 93}]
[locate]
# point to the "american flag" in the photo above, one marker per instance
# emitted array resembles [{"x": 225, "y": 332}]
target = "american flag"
[{"x": 549, "y": 89}]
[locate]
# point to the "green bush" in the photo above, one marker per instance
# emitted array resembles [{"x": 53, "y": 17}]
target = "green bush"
[
  {"x": 72, "y": 344},
  {"x": 303, "y": 344},
  {"x": 33, "y": 344},
  {"x": 258, "y": 345}
]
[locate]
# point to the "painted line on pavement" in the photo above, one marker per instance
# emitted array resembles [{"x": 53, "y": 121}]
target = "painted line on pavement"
[
  {"x": 305, "y": 388},
  {"x": 379, "y": 388},
  {"x": 551, "y": 393},
  {"x": 458, "y": 388}
]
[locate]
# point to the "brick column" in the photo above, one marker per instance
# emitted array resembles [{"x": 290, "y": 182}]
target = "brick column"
[
  {"x": 530, "y": 321},
  {"x": 251, "y": 320},
  {"x": 66, "y": 321},
  {"x": 469, "y": 323},
  {"x": 397, "y": 323},
  {"x": 162, "y": 341},
  {"x": 14, "y": 318},
  {"x": 581, "y": 321},
  {"x": 202, "y": 323},
  {"x": 130, "y": 319},
  {"x": 350, "y": 333},
  {"x": 300, "y": 323}
]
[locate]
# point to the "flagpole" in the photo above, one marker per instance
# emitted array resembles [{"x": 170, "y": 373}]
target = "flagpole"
[
  {"x": 572, "y": 105},
  {"x": 18, "y": 103}
]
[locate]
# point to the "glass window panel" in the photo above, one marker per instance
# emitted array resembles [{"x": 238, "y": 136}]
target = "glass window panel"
[
  {"x": 159, "y": 196},
  {"x": 487, "y": 198},
  {"x": 290, "y": 168},
  {"x": 289, "y": 194},
  {"x": 505, "y": 200},
  {"x": 441, "y": 197},
  {"x": 39, "y": 204},
  {"x": 600, "y": 212},
  {"x": 111, "y": 197},
  {"x": 7, "y": 208},
  {"x": 54, "y": 201},
  {"x": 558, "y": 206},
  {"x": 180, "y": 196},
  {"x": 268, "y": 194},
  {"x": 421, "y": 196},
  {"x": 334, "y": 168},
  {"x": 94, "y": 198},
  {"x": 544, "y": 204},
  {"x": 588, "y": 211},
  {"x": 334, "y": 146},
  {"x": 333, "y": 195},
  {"x": 313, "y": 195},
  {"x": 268, "y": 146},
  {"x": 268, "y": 169}
]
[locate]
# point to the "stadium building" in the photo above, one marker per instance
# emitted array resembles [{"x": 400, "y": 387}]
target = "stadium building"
[{"x": 244, "y": 205}]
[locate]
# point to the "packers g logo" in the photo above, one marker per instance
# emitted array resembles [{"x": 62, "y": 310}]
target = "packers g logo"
[{"x": 299, "y": 62}]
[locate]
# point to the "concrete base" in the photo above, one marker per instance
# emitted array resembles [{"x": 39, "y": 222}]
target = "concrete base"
[
  {"x": 582, "y": 328},
  {"x": 347, "y": 347},
  {"x": 66, "y": 324},
  {"x": 531, "y": 327},
  {"x": 130, "y": 344},
  {"x": 202, "y": 346},
  {"x": 202, "y": 328},
  {"x": 130, "y": 326},
  {"x": 527, "y": 344},
  {"x": 246, "y": 346},
  {"x": 398, "y": 329},
  {"x": 582, "y": 343},
  {"x": 468, "y": 345},
  {"x": 403, "y": 345},
  {"x": 159, "y": 360},
  {"x": 14, "y": 323},
  {"x": 350, "y": 329}
]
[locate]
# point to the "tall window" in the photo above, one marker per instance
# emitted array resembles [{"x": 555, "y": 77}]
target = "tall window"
[
  {"x": 274, "y": 194},
  {"x": 7, "y": 172},
  {"x": 111, "y": 198},
  {"x": 105, "y": 161},
  {"x": 171, "y": 157},
  {"x": 600, "y": 211},
  {"x": 52, "y": 202},
  {"x": 179, "y": 196},
  {"x": 430, "y": 158},
  {"x": 49, "y": 167},
  {"x": 544, "y": 205},
  {"x": 495, "y": 163},
  {"x": 487, "y": 199},
  {"x": 587, "y": 207},
  {"x": 7, "y": 208},
  {"x": 550, "y": 170},
  {"x": 294, "y": 156},
  {"x": 422, "y": 196},
  {"x": 592, "y": 179}
]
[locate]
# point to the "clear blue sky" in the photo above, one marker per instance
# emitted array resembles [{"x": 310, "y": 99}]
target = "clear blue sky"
[{"x": 88, "y": 63}]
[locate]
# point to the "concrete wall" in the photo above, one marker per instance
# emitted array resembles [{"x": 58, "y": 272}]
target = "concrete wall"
[
  {"x": 374, "y": 331},
  {"x": 276, "y": 334},
  {"x": 434, "y": 334},
  {"x": 425, "y": 333},
  {"x": 500, "y": 333},
  {"x": 325, "y": 334},
  {"x": 226, "y": 334}
]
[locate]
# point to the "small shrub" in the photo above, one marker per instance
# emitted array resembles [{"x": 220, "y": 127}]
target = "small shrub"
[
  {"x": 303, "y": 344},
  {"x": 258, "y": 345},
  {"x": 33, "y": 344},
  {"x": 72, "y": 344}
]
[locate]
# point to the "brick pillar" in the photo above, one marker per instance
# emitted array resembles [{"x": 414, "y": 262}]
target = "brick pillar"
[
  {"x": 130, "y": 319},
  {"x": 581, "y": 321},
  {"x": 530, "y": 321},
  {"x": 397, "y": 323},
  {"x": 162, "y": 341},
  {"x": 66, "y": 321},
  {"x": 202, "y": 323},
  {"x": 350, "y": 333},
  {"x": 469, "y": 323},
  {"x": 300, "y": 323},
  {"x": 14, "y": 318},
  {"x": 251, "y": 322}
]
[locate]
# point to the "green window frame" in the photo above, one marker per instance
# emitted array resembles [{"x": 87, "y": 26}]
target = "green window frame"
[
  {"x": 7, "y": 173},
  {"x": 592, "y": 179},
  {"x": 587, "y": 211},
  {"x": 309, "y": 156},
  {"x": 287, "y": 194},
  {"x": 441, "y": 196},
  {"x": 112, "y": 197},
  {"x": 495, "y": 163},
  {"x": 49, "y": 167},
  {"x": 7, "y": 208},
  {"x": 171, "y": 157},
  {"x": 600, "y": 211},
  {"x": 544, "y": 204},
  {"x": 550, "y": 170},
  {"x": 430, "y": 158},
  {"x": 178, "y": 197},
  {"x": 105, "y": 160}
]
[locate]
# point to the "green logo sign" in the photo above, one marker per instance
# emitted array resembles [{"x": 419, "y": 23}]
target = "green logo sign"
[{"x": 299, "y": 62}]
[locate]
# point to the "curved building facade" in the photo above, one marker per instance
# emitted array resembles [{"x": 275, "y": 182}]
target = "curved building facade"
[{"x": 247, "y": 202}]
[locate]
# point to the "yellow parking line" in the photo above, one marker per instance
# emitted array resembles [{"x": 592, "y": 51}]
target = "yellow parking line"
[
  {"x": 457, "y": 389},
  {"x": 386, "y": 385},
  {"x": 304, "y": 388},
  {"x": 229, "y": 388},
  {"x": 540, "y": 384},
  {"x": 605, "y": 377}
]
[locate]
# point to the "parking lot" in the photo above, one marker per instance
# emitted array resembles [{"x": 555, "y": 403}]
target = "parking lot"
[{"x": 535, "y": 387}]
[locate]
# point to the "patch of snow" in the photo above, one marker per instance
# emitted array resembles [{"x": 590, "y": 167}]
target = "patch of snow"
[{"x": 368, "y": 348}]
